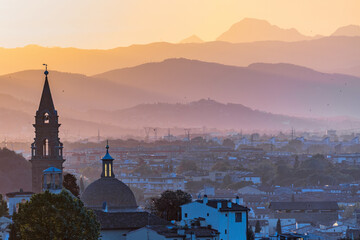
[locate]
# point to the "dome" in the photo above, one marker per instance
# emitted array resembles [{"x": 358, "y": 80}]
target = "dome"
[{"x": 117, "y": 195}]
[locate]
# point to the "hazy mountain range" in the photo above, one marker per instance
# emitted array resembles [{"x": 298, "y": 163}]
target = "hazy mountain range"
[
  {"x": 350, "y": 31},
  {"x": 253, "y": 30},
  {"x": 271, "y": 77},
  {"x": 192, "y": 39},
  {"x": 212, "y": 114},
  {"x": 268, "y": 43},
  {"x": 123, "y": 100},
  {"x": 277, "y": 88}
]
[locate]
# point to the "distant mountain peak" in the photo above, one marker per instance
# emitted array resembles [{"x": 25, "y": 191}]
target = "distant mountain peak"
[
  {"x": 192, "y": 39},
  {"x": 252, "y": 30},
  {"x": 349, "y": 30}
]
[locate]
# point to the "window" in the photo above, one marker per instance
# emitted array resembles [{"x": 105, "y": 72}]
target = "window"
[
  {"x": 226, "y": 215},
  {"x": 46, "y": 148},
  {"x": 109, "y": 170},
  {"x": 46, "y": 118},
  {"x": 105, "y": 170},
  {"x": 225, "y": 231},
  {"x": 186, "y": 215},
  {"x": 238, "y": 217},
  {"x": 207, "y": 214}
]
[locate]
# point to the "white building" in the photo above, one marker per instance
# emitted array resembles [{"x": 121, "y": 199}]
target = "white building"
[
  {"x": 15, "y": 198},
  {"x": 225, "y": 216}
]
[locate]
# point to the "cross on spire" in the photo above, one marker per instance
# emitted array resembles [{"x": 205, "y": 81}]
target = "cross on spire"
[{"x": 46, "y": 71}]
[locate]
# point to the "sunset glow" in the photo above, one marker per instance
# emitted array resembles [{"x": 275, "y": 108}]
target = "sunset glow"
[{"x": 112, "y": 23}]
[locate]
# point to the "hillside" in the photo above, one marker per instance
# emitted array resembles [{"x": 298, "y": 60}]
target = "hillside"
[
  {"x": 192, "y": 39},
  {"x": 212, "y": 114},
  {"x": 73, "y": 93},
  {"x": 253, "y": 30},
  {"x": 277, "y": 88},
  {"x": 350, "y": 31},
  {"x": 15, "y": 172},
  {"x": 326, "y": 54}
]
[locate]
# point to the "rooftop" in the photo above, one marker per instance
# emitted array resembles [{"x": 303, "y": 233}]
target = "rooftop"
[
  {"x": 127, "y": 220},
  {"x": 224, "y": 205},
  {"x": 320, "y": 205}
]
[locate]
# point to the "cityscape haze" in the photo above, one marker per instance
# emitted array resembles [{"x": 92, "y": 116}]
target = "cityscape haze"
[{"x": 186, "y": 120}]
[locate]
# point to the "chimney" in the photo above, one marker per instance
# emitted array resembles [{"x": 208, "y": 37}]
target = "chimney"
[
  {"x": 229, "y": 204},
  {"x": 237, "y": 200},
  {"x": 205, "y": 199}
]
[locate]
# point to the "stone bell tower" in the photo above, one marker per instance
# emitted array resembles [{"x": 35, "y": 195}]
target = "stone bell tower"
[{"x": 46, "y": 150}]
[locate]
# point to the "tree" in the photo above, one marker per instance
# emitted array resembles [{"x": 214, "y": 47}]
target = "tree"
[
  {"x": 227, "y": 180},
  {"x": 70, "y": 184},
  {"x": 250, "y": 234},
  {"x": 82, "y": 185},
  {"x": 49, "y": 216},
  {"x": 4, "y": 211},
  {"x": 168, "y": 205},
  {"x": 257, "y": 227},
  {"x": 278, "y": 227}
]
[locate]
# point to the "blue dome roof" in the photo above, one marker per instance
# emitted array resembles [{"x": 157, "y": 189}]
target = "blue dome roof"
[
  {"x": 52, "y": 170},
  {"x": 107, "y": 157}
]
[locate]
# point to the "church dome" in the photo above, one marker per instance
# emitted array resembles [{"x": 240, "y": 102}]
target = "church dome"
[
  {"x": 115, "y": 193},
  {"x": 108, "y": 192}
]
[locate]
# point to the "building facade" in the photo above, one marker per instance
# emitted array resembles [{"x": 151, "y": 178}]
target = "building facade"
[{"x": 228, "y": 218}]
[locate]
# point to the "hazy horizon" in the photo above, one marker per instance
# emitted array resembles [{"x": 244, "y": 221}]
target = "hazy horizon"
[
  {"x": 280, "y": 66},
  {"x": 113, "y": 23}
]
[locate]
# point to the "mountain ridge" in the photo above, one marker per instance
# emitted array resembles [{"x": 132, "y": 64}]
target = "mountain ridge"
[
  {"x": 252, "y": 86},
  {"x": 254, "y": 30},
  {"x": 314, "y": 54}
]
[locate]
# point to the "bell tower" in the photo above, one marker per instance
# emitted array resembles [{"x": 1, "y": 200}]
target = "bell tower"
[{"x": 46, "y": 150}]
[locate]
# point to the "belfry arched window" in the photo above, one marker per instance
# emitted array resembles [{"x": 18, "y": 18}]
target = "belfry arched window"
[
  {"x": 46, "y": 118},
  {"x": 46, "y": 148}
]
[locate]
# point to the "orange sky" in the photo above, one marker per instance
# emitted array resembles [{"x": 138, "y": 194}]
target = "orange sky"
[{"x": 111, "y": 23}]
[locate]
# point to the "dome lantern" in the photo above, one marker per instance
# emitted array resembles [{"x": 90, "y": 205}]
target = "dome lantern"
[{"x": 107, "y": 164}]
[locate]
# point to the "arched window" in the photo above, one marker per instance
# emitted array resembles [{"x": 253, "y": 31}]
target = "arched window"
[
  {"x": 105, "y": 170},
  {"x": 110, "y": 169},
  {"x": 46, "y": 118},
  {"x": 46, "y": 148}
]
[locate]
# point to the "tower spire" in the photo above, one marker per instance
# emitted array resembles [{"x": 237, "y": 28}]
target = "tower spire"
[
  {"x": 107, "y": 162},
  {"x": 46, "y": 150},
  {"x": 46, "y": 102}
]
